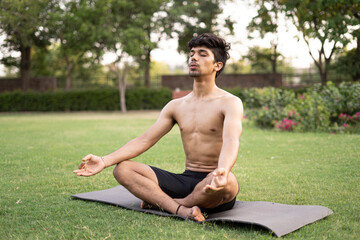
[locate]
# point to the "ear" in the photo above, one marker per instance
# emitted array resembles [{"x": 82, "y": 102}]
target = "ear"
[{"x": 218, "y": 66}]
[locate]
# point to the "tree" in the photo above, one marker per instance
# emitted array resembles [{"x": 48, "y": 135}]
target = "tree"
[
  {"x": 49, "y": 61},
  {"x": 349, "y": 16},
  {"x": 239, "y": 67},
  {"x": 349, "y": 63},
  {"x": 123, "y": 34},
  {"x": 78, "y": 27},
  {"x": 192, "y": 17},
  {"x": 266, "y": 22},
  {"x": 320, "y": 20},
  {"x": 175, "y": 18},
  {"x": 326, "y": 22},
  {"x": 261, "y": 60},
  {"x": 154, "y": 27},
  {"x": 25, "y": 25}
]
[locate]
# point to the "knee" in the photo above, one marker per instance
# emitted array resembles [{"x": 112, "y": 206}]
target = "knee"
[
  {"x": 232, "y": 186},
  {"x": 121, "y": 172},
  {"x": 230, "y": 190}
]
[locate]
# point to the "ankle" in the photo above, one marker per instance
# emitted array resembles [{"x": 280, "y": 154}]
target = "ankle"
[{"x": 178, "y": 208}]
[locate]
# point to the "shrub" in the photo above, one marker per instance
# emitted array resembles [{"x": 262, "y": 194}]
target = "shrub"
[
  {"x": 312, "y": 113},
  {"x": 348, "y": 123},
  {"x": 80, "y": 100},
  {"x": 286, "y": 124},
  {"x": 272, "y": 102},
  {"x": 316, "y": 109}
]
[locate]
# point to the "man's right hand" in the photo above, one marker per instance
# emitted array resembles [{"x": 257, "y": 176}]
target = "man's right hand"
[{"x": 90, "y": 165}]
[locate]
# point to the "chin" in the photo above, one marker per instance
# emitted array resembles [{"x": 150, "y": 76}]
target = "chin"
[{"x": 194, "y": 74}]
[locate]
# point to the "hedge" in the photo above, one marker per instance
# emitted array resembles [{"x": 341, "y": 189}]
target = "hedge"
[
  {"x": 83, "y": 100},
  {"x": 319, "y": 108}
]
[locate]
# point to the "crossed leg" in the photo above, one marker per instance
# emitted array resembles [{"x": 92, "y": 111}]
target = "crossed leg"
[
  {"x": 211, "y": 199},
  {"x": 141, "y": 181}
]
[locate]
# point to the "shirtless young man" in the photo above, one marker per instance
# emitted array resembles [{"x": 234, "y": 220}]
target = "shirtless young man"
[{"x": 210, "y": 121}]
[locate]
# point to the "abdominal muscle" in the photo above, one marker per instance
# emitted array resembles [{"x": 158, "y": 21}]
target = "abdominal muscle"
[{"x": 202, "y": 152}]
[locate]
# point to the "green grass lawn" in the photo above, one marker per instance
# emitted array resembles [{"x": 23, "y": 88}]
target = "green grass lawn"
[{"x": 39, "y": 151}]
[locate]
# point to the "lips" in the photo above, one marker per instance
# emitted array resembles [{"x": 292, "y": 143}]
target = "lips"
[{"x": 193, "y": 66}]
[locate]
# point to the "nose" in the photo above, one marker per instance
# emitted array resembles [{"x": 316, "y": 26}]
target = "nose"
[{"x": 193, "y": 58}]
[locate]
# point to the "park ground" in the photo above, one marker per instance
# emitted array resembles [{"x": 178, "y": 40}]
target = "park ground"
[{"x": 39, "y": 151}]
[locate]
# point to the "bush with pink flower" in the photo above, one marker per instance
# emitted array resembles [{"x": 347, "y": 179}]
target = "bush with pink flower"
[
  {"x": 285, "y": 125},
  {"x": 327, "y": 108},
  {"x": 348, "y": 123}
]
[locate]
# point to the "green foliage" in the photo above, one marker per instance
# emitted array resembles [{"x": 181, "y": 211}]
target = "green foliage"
[
  {"x": 272, "y": 102},
  {"x": 333, "y": 24},
  {"x": 261, "y": 59},
  {"x": 309, "y": 112},
  {"x": 195, "y": 17},
  {"x": 50, "y": 62},
  {"x": 83, "y": 100},
  {"x": 144, "y": 98},
  {"x": 349, "y": 63},
  {"x": 320, "y": 108},
  {"x": 25, "y": 23}
]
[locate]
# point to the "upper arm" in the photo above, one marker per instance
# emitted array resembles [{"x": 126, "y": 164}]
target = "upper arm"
[
  {"x": 163, "y": 125},
  {"x": 233, "y": 116}
]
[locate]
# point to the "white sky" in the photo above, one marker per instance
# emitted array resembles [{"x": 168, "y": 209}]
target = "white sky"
[{"x": 241, "y": 13}]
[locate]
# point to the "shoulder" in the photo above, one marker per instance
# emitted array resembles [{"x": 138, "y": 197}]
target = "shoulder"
[
  {"x": 179, "y": 101},
  {"x": 231, "y": 100},
  {"x": 172, "y": 106},
  {"x": 231, "y": 104}
]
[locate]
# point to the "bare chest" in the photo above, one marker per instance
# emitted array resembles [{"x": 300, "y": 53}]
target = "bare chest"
[{"x": 204, "y": 118}]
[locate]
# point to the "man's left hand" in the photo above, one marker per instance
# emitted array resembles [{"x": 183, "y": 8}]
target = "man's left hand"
[{"x": 218, "y": 181}]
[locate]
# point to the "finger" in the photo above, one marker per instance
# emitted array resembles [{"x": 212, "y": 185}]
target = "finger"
[
  {"x": 220, "y": 172},
  {"x": 209, "y": 188},
  {"x": 82, "y": 173},
  {"x": 87, "y": 174},
  {"x": 82, "y": 165},
  {"x": 87, "y": 157}
]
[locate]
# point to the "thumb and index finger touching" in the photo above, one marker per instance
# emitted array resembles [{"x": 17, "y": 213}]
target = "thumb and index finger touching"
[
  {"x": 87, "y": 157},
  {"x": 82, "y": 171}
]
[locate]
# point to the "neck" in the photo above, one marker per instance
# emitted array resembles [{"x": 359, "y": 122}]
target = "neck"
[{"x": 203, "y": 87}]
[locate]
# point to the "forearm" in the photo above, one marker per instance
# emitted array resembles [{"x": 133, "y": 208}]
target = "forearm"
[
  {"x": 228, "y": 154},
  {"x": 130, "y": 150}
]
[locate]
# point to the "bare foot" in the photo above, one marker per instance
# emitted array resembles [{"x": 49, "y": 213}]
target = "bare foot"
[
  {"x": 146, "y": 205},
  {"x": 193, "y": 213}
]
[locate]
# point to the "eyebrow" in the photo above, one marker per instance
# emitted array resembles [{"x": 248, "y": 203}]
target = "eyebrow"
[{"x": 200, "y": 50}]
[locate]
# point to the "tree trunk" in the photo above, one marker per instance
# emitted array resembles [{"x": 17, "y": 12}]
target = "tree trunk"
[
  {"x": 356, "y": 77},
  {"x": 147, "y": 69},
  {"x": 69, "y": 68},
  {"x": 25, "y": 64},
  {"x": 274, "y": 60},
  {"x": 323, "y": 77},
  {"x": 122, "y": 87}
]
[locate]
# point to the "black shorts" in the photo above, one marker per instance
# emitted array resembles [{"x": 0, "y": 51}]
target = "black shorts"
[{"x": 181, "y": 185}]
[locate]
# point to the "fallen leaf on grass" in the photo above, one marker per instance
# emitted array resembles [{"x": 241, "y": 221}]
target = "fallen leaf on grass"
[
  {"x": 108, "y": 236},
  {"x": 79, "y": 227}
]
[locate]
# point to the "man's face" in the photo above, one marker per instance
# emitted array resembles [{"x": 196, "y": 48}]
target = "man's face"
[{"x": 202, "y": 62}]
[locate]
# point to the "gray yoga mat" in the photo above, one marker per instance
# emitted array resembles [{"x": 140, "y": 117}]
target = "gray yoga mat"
[{"x": 281, "y": 219}]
